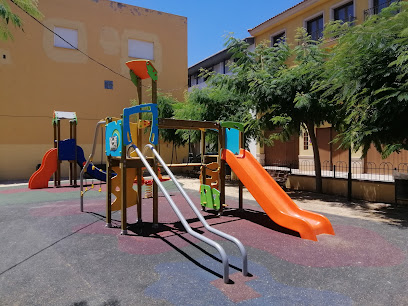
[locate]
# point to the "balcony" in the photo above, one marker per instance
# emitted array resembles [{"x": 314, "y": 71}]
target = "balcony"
[{"x": 376, "y": 9}]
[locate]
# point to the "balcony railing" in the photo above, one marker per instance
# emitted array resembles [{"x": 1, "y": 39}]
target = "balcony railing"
[{"x": 376, "y": 9}]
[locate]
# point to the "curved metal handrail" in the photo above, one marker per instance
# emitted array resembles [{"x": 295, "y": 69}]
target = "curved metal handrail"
[
  {"x": 200, "y": 217},
  {"x": 184, "y": 221},
  {"x": 81, "y": 175}
]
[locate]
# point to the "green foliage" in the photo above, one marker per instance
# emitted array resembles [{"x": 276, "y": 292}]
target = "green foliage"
[
  {"x": 211, "y": 104},
  {"x": 280, "y": 94},
  {"x": 7, "y": 17},
  {"x": 366, "y": 78}
]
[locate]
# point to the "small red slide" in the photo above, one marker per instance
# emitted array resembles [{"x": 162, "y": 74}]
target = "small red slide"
[
  {"x": 273, "y": 199},
  {"x": 40, "y": 178}
]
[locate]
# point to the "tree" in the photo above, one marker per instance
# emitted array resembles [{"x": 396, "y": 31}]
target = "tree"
[
  {"x": 366, "y": 78},
  {"x": 280, "y": 94},
  {"x": 211, "y": 104},
  {"x": 7, "y": 17}
]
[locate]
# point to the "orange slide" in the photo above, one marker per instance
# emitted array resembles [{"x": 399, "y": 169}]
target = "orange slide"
[
  {"x": 40, "y": 178},
  {"x": 273, "y": 199}
]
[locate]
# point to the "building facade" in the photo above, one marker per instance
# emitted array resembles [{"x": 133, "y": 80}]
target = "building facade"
[
  {"x": 217, "y": 63},
  {"x": 313, "y": 15},
  {"x": 40, "y": 72}
]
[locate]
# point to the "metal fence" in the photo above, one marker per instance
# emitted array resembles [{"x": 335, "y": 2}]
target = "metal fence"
[{"x": 368, "y": 171}]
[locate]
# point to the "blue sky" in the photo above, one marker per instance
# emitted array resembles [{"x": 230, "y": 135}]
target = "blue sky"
[{"x": 209, "y": 21}]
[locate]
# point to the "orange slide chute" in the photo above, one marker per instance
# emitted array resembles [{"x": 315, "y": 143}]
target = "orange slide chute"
[
  {"x": 273, "y": 199},
  {"x": 40, "y": 178}
]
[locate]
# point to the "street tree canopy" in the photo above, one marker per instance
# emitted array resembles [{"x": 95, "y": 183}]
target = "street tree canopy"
[
  {"x": 278, "y": 92},
  {"x": 8, "y": 17},
  {"x": 366, "y": 78}
]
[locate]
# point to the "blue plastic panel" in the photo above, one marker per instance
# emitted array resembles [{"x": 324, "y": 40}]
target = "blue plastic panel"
[
  {"x": 232, "y": 140},
  {"x": 113, "y": 139},
  {"x": 143, "y": 108},
  {"x": 67, "y": 149}
]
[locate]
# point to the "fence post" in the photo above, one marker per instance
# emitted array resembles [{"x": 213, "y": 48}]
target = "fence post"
[
  {"x": 334, "y": 171},
  {"x": 349, "y": 182}
]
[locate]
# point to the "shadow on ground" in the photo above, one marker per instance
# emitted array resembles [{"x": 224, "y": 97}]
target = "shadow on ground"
[{"x": 395, "y": 214}]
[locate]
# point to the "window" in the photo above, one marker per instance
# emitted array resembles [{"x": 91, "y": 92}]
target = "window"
[
  {"x": 315, "y": 27},
  {"x": 345, "y": 12},
  {"x": 189, "y": 81},
  {"x": 108, "y": 84},
  {"x": 305, "y": 141},
  {"x": 140, "y": 49},
  {"x": 378, "y": 5},
  {"x": 281, "y": 37},
  {"x": 70, "y": 35}
]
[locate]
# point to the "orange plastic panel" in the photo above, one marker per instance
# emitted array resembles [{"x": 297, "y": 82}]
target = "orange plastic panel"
[
  {"x": 139, "y": 67},
  {"x": 40, "y": 178}
]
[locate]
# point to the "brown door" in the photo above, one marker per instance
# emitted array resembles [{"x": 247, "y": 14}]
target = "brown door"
[{"x": 283, "y": 153}]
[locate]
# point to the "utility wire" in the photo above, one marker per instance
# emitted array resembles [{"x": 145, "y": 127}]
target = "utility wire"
[
  {"x": 82, "y": 52},
  {"x": 88, "y": 56}
]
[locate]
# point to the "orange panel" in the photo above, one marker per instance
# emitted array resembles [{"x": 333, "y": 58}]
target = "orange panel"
[
  {"x": 40, "y": 178},
  {"x": 139, "y": 67}
]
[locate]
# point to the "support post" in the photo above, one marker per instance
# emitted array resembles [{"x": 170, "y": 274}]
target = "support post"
[
  {"x": 155, "y": 167},
  {"x": 349, "y": 180},
  {"x": 139, "y": 173},
  {"x": 222, "y": 167},
  {"x": 74, "y": 134},
  {"x": 58, "y": 161},
  {"x": 123, "y": 192},
  {"x": 108, "y": 193},
  {"x": 70, "y": 161},
  {"x": 240, "y": 185},
  {"x": 55, "y": 146}
]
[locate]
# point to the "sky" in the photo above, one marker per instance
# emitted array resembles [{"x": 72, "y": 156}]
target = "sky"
[{"x": 209, "y": 21}]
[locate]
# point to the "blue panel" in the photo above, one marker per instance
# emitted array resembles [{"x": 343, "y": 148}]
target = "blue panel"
[
  {"x": 108, "y": 84},
  {"x": 67, "y": 149},
  {"x": 232, "y": 140},
  {"x": 113, "y": 139},
  {"x": 143, "y": 108}
]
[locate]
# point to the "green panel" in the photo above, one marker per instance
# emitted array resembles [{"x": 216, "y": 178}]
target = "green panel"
[
  {"x": 133, "y": 77},
  {"x": 233, "y": 125},
  {"x": 151, "y": 71},
  {"x": 210, "y": 197},
  {"x": 216, "y": 199}
]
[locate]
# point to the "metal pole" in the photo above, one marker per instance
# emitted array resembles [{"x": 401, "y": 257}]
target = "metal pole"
[{"x": 349, "y": 181}]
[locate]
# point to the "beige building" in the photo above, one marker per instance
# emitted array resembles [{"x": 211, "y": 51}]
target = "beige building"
[
  {"x": 40, "y": 73},
  {"x": 313, "y": 15}
]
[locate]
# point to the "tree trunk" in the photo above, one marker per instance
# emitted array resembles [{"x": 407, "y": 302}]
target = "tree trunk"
[{"x": 316, "y": 157}]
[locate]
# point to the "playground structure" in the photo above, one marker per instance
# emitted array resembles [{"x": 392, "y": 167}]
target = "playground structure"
[
  {"x": 64, "y": 150},
  {"x": 121, "y": 136}
]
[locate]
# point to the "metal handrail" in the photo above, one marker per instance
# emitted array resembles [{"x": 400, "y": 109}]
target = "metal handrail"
[
  {"x": 183, "y": 220},
  {"x": 81, "y": 175},
  {"x": 200, "y": 217}
]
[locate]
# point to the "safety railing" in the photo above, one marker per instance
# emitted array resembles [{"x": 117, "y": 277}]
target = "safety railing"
[{"x": 197, "y": 212}]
